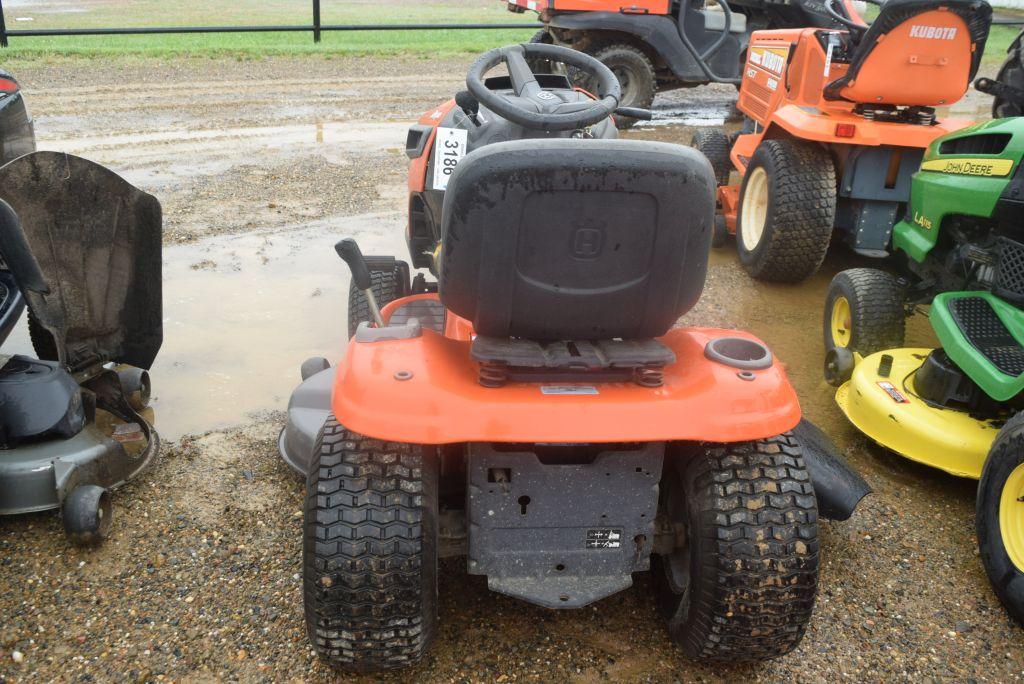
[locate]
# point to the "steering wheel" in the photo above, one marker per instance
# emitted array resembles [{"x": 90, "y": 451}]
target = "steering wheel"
[
  {"x": 845, "y": 20},
  {"x": 548, "y": 112}
]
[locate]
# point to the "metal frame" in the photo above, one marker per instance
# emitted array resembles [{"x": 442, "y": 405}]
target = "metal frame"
[{"x": 316, "y": 28}]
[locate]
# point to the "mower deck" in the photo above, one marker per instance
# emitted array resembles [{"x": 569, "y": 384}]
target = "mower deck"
[{"x": 886, "y": 409}]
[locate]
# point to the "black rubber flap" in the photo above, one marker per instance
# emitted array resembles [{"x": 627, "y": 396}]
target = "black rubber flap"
[{"x": 85, "y": 249}]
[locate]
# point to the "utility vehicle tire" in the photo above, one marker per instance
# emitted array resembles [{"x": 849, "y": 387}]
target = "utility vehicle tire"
[
  {"x": 744, "y": 588},
  {"x": 387, "y": 286},
  {"x": 1000, "y": 516},
  {"x": 714, "y": 144},
  {"x": 1012, "y": 74},
  {"x": 635, "y": 72},
  {"x": 787, "y": 210},
  {"x": 370, "y": 551},
  {"x": 544, "y": 66},
  {"x": 864, "y": 312}
]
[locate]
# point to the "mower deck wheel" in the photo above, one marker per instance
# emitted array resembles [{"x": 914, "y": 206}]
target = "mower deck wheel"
[
  {"x": 743, "y": 589},
  {"x": 864, "y": 312},
  {"x": 1000, "y": 516},
  {"x": 387, "y": 287},
  {"x": 370, "y": 551},
  {"x": 87, "y": 515},
  {"x": 787, "y": 210},
  {"x": 714, "y": 144}
]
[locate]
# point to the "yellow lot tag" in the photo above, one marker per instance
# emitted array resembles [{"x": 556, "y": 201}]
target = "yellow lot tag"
[{"x": 970, "y": 167}]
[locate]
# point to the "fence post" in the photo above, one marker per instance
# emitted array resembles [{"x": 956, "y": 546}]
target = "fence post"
[
  {"x": 3, "y": 26},
  {"x": 316, "y": 21}
]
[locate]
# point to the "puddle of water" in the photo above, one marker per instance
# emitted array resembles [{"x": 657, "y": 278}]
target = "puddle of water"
[{"x": 242, "y": 313}]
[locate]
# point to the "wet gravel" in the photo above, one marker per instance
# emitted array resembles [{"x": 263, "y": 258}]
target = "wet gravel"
[{"x": 200, "y": 580}]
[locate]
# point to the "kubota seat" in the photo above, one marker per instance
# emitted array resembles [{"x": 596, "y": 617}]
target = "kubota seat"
[
  {"x": 576, "y": 239},
  {"x": 916, "y": 52}
]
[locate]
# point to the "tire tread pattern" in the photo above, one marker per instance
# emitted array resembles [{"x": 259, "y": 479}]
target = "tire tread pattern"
[
  {"x": 369, "y": 566},
  {"x": 876, "y": 307}
]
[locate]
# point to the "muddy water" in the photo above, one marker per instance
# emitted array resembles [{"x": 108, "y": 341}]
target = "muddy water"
[{"x": 242, "y": 313}]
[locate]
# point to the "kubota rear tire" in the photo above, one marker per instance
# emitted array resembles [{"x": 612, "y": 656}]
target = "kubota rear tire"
[
  {"x": 714, "y": 144},
  {"x": 743, "y": 589},
  {"x": 864, "y": 312},
  {"x": 370, "y": 551},
  {"x": 787, "y": 210},
  {"x": 1000, "y": 516}
]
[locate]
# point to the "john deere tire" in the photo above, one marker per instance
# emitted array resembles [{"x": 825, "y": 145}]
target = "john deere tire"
[
  {"x": 787, "y": 209},
  {"x": 744, "y": 588},
  {"x": 635, "y": 73},
  {"x": 370, "y": 551},
  {"x": 714, "y": 144},
  {"x": 1000, "y": 516},
  {"x": 1011, "y": 73},
  {"x": 387, "y": 287},
  {"x": 864, "y": 312}
]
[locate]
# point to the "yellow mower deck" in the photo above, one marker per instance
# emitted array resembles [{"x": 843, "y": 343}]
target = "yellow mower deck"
[{"x": 887, "y": 410}]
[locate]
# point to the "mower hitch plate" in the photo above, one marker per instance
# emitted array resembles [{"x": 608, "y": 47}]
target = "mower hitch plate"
[{"x": 562, "y": 535}]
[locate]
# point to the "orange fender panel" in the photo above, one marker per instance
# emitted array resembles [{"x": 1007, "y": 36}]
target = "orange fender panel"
[
  {"x": 418, "y": 167},
  {"x": 820, "y": 126},
  {"x": 442, "y": 402}
]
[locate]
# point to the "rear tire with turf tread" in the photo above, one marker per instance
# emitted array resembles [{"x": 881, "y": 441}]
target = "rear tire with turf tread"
[
  {"x": 877, "y": 318},
  {"x": 387, "y": 286},
  {"x": 800, "y": 216},
  {"x": 752, "y": 528},
  {"x": 370, "y": 551},
  {"x": 714, "y": 144}
]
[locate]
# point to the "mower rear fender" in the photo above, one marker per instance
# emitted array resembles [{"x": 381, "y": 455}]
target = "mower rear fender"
[
  {"x": 805, "y": 124},
  {"x": 658, "y": 33},
  {"x": 425, "y": 390}
]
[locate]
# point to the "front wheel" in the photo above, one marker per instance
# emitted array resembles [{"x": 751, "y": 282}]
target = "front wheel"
[
  {"x": 864, "y": 312},
  {"x": 370, "y": 551},
  {"x": 1000, "y": 516},
  {"x": 743, "y": 588},
  {"x": 787, "y": 210}
]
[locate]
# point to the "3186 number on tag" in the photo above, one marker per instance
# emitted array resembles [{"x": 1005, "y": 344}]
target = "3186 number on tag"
[{"x": 449, "y": 149}]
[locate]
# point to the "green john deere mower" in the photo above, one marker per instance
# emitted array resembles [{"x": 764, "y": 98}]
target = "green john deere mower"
[{"x": 959, "y": 407}]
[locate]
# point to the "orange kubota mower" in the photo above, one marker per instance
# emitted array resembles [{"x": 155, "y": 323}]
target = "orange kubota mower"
[
  {"x": 838, "y": 122},
  {"x": 536, "y": 411}
]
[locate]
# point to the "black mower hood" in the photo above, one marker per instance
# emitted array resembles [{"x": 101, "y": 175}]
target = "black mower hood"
[{"x": 84, "y": 247}]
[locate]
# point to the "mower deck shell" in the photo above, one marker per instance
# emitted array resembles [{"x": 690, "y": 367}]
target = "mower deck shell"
[
  {"x": 36, "y": 477},
  {"x": 431, "y": 384},
  {"x": 947, "y": 439}
]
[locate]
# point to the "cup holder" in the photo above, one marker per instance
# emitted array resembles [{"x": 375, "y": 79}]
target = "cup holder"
[{"x": 738, "y": 352}]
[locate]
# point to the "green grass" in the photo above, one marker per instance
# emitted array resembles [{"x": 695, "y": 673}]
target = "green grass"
[{"x": 149, "y": 13}]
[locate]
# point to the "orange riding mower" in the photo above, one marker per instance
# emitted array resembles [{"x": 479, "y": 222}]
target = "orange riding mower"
[
  {"x": 837, "y": 123},
  {"x": 536, "y": 411}
]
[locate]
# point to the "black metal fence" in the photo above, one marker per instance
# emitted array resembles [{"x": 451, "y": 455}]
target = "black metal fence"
[{"x": 316, "y": 28}]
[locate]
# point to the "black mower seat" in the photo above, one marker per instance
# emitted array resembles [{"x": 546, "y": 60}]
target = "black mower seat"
[
  {"x": 576, "y": 239},
  {"x": 916, "y": 53}
]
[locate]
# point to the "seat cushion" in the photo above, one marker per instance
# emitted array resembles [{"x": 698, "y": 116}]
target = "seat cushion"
[{"x": 576, "y": 239}]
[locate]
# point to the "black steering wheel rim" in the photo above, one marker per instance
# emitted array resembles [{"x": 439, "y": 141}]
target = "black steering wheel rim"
[
  {"x": 845, "y": 21},
  {"x": 525, "y": 84}
]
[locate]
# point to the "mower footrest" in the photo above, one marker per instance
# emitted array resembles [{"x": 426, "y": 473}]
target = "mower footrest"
[
  {"x": 983, "y": 328},
  {"x": 562, "y": 526}
]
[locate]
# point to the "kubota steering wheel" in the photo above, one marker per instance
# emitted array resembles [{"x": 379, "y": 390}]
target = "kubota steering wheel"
[
  {"x": 533, "y": 107},
  {"x": 846, "y": 20}
]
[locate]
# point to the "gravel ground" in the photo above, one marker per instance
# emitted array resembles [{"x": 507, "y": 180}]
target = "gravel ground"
[{"x": 200, "y": 579}]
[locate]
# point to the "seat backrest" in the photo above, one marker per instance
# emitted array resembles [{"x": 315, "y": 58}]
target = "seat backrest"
[
  {"x": 916, "y": 53},
  {"x": 574, "y": 239}
]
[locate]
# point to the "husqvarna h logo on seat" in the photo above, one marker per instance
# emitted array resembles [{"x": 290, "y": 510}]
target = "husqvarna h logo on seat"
[
  {"x": 932, "y": 32},
  {"x": 587, "y": 243}
]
